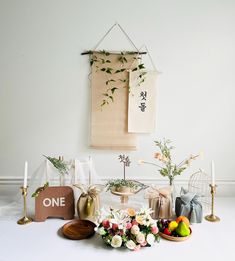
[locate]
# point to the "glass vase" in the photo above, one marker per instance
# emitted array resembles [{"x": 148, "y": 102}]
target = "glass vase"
[{"x": 173, "y": 193}]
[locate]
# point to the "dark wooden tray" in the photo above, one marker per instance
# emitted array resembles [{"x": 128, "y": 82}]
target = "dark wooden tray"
[{"x": 78, "y": 229}]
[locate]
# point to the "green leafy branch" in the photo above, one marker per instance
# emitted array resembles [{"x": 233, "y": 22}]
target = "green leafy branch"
[
  {"x": 59, "y": 164},
  {"x": 103, "y": 64}
]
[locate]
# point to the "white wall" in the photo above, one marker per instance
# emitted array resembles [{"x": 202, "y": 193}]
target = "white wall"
[{"x": 44, "y": 87}]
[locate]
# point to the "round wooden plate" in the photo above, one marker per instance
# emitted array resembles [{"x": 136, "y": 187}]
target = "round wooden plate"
[
  {"x": 122, "y": 193},
  {"x": 78, "y": 229},
  {"x": 176, "y": 239}
]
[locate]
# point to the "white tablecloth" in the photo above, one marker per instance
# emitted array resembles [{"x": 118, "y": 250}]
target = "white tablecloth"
[{"x": 44, "y": 242}]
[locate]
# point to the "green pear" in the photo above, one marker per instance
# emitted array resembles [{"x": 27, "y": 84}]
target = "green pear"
[{"x": 182, "y": 229}]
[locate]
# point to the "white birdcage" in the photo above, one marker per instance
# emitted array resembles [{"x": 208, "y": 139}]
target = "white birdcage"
[{"x": 199, "y": 183}]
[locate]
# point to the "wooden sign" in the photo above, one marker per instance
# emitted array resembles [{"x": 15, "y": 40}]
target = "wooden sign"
[{"x": 54, "y": 202}]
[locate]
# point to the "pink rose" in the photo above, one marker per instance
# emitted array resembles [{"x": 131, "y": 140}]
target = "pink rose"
[
  {"x": 154, "y": 230},
  {"x": 115, "y": 226},
  {"x": 105, "y": 223},
  {"x": 128, "y": 226},
  {"x": 134, "y": 222}
]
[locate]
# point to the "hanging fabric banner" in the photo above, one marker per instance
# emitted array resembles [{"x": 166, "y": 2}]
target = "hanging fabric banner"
[
  {"x": 142, "y": 102},
  {"x": 109, "y": 77}
]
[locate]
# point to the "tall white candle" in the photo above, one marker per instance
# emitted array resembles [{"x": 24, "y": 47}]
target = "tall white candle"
[
  {"x": 25, "y": 174},
  {"x": 212, "y": 173}
]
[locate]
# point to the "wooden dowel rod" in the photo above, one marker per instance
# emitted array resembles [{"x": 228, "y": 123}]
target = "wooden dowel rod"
[{"x": 126, "y": 53}]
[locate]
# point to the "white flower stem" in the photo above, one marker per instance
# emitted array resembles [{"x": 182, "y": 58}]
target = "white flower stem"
[{"x": 150, "y": 163}]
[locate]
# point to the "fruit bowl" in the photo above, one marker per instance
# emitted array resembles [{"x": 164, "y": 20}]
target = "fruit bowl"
[
  {"x": 176, "y": 239},
  {"x": 175, "y": 230}
]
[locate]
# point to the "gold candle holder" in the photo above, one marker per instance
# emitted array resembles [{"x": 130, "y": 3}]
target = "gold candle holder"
[
  {"x": 24, "y": 220},
  {"x": 212, "y": 217}
]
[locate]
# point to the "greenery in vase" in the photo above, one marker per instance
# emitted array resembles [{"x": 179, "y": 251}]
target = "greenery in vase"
[
  {"x": 168, "y": 168},
  {"x": 59, "y": 164}
]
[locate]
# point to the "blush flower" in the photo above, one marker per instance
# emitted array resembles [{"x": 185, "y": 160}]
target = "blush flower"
[
  {"x": 128, "y": 226},
  {"x": 134, "y": 222},
  {"x": 140, "y": 238},
  {"x": 144, "y": 244},
  {"x": 135, "y": 230},
  {"x": 130, "y": 244},
  {"x": 158, "y": 155},
  {"x": 154, "y": 230}
]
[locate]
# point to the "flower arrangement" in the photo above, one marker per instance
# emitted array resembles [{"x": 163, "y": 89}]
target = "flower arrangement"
[
  {"x": 127, "y": 228},
  {"x": 164, "y": 157}
]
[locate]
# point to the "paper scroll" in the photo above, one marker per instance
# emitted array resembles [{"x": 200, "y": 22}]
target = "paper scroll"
[
  {"x": 109, "y": 123},
  {"x": 142, "y": 102}
]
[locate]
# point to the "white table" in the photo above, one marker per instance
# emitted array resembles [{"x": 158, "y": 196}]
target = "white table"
[{"x": 43, "y": 242}]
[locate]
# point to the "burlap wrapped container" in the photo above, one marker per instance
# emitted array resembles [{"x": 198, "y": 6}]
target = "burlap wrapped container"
[
  {"x": 89, "y": 202},
  {"x": 160, "y": 201}
]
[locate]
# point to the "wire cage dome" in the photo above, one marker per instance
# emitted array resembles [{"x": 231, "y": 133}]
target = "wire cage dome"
[{"x": 199, "y": 183}]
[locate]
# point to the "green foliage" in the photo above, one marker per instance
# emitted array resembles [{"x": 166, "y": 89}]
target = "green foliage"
[
  {"x": 118, "y": 183},
  {"x": 169, "y": 169},
  {"x": 36, "y": 193},
  {"x": 102, "y": 64},
  {"x": 59, "y": 164}
]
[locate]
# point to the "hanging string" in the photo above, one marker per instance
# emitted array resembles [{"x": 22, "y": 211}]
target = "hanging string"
[
  {"x": 128, "y": 37},
  {"x": 106, "y": 34},
  {"x": 150, "y": 58}
]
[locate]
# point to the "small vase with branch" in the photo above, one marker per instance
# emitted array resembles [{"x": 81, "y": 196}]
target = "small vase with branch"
[{"x": 124, "y": 185}]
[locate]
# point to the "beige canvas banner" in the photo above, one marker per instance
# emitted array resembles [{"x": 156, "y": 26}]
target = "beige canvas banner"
[
  {"x": 142, "y": 103},
  {"x": 109, "y": 122}
]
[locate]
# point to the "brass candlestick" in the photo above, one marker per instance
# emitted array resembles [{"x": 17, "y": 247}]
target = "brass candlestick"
[
  {"x": 212, "y": 217},
  {"x": 24, "y": 220}
]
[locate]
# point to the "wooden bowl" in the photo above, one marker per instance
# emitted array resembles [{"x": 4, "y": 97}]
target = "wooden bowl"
[
  {"x": 176, "y": 239},
  {"x": 78, "y": 229}
]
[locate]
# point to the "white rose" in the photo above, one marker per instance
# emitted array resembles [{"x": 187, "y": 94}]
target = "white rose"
[
  {"x": 135, "y": 230},
  {"x": 130, "y": 244},
  {"x": 150, "y": 239},
  {"x": 116, "y": 241},
  {"x": 140, "y": 238}
]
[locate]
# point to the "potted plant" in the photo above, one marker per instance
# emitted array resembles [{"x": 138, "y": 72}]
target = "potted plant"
[{"x": 124, "y": 185}]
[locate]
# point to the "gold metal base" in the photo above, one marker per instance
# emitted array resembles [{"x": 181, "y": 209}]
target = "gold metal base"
[
  {"x": 24, "y": 221},
  {"x": 212, "y": 218}
]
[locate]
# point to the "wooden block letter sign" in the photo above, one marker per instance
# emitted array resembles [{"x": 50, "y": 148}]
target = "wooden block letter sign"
[{"x": 54, "y": 202}]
